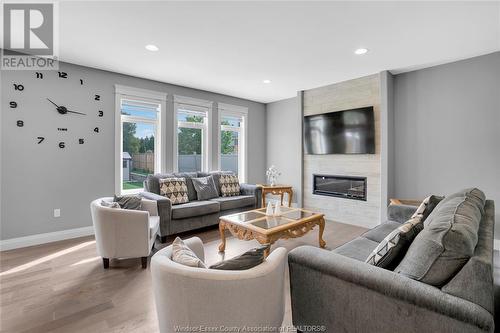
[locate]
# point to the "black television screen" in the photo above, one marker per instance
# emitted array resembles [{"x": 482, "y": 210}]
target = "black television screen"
[{"x": 341, "y": 132}]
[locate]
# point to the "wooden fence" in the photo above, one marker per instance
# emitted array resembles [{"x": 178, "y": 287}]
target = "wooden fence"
[{"x": 144, "y": 161}]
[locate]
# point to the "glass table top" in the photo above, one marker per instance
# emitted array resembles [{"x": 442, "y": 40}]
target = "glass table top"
[{"x": 258, "y": 217}]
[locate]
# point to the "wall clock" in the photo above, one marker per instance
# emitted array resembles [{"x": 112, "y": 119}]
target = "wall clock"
[{"x": 87, "y": 108}]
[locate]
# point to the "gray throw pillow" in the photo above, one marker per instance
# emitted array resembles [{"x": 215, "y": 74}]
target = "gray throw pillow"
[
  {"x": 110, "y": 204},
  {"x": 247, "y": 260},
  {"x": 129, "y": 201},
  {"x": 182, "y": 254},
  {"x": 205, "y": 188},
  {"x": 447, "y": 241}
]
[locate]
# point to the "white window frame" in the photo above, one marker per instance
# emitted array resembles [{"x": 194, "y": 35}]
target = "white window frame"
[
  {"x": 197, "y": 105},
  {"x": 235, "y": 111},
  {"x": 149, "y": 96}
]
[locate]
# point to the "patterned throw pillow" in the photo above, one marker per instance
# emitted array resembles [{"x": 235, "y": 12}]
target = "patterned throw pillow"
[
  {"x": 229, "y": 185},
  {"x": 175, "y": 189},
  {"x": 393, "y": 247}
]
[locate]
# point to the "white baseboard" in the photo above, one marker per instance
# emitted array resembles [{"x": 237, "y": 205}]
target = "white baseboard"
[
  {"x": 496, "y": 244},
  {"x": 15, "y": 243}
]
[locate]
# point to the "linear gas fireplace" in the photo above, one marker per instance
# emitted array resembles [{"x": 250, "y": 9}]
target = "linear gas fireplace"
[{"x": 340, "y": 186}]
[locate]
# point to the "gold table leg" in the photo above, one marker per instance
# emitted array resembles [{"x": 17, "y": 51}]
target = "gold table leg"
[
  {"x": 321, "y": 223},
  {"x": 222, "y": 227}
]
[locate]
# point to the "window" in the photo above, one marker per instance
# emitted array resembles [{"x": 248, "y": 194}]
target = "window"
[
  {"x": 232, "y": 152},
  {"x": 192, "y": 144},
  {"x": 139, "y": 137}
]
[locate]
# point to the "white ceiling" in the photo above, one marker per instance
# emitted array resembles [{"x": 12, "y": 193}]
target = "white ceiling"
[{"x": 230, "y": 47}]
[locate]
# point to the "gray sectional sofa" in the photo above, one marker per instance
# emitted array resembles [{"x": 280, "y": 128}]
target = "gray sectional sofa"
[
  {"x": 196, "y": 214},
  {"x": 337, "y": 290}
]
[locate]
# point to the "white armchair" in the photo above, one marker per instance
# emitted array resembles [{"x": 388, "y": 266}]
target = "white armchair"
[
  {"x": 190, "y": 296},
  {"x": 124, "y": 233}
]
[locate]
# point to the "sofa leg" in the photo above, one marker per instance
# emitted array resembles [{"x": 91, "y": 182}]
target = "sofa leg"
[
  {"x": 105, "y": 263},
  {"x": 163, "y": 239},
  {"x": 144, "y": 262}
]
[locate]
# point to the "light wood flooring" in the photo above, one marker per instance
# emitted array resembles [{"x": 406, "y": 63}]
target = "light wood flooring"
[{"x": 62, "y": 286}]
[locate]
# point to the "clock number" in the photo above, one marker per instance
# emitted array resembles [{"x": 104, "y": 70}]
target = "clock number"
[
  {"x": 19, "y": 87},
  {"x": 13, "y": 105},
  {"x": 63, "y": 75},
  {"x": 96, "y": 129},
  {"x": 81, "y": 141},
  {"x": 81, "y": 82},
  {"x": 101, "y": 113},
  {"x": 62, "y": 145},
  {"x": 39, "y": 75},
  {"x": 97, "y": 97},
  {"x": 40, "y": 139},
  {"x": 20, "y": 123}
]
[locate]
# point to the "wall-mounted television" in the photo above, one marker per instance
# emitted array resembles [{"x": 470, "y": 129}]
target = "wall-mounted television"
[{"x": 341, "y": 132}]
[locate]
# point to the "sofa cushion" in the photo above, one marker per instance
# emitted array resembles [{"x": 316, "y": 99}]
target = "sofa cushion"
[
  {"x": 216, "y": 175},
  {"x": 448, "y": 240},
  {"x": 359, "y": 248},
  {"x": 191, "y": 191},
  {"x": 229, "y": 185},
  {"x": 182, "y": 254},
  {"x": 378, "y": 233},
  {"x": 194, "y": 208},
  {"x": 205, "y": 188},
  {"x": 239, "y": 201},
  {"x": 153, "y": 181},
  {"x": 247, "y": 260},
  {"x": 175, "y": 189},
  {"x": 393, "y": 247},
  {"x": 128, "y": 201}
]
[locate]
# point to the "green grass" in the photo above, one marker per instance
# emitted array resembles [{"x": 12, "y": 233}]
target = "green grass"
[
  {"x": 143, "y": 172},
  {"x": 132, "y": 185}
]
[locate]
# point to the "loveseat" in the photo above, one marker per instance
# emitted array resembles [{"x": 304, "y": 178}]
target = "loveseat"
[
  {"x": 197, "y": 214},
  {"x": 339, "y": 292}
]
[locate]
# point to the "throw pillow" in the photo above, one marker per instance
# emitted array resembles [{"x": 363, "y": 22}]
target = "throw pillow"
[
  {"x": 394, "y": 246},
  {"x": 175, "y": 189},
  {"x": 229, "y": 185},
  {"x": 427, "y": 206},
  {"x": 247, "y": 260},
  {"x": 205, "y": 188},
  {"x": 129, "y": 201},
  {"x": 182, "y": 254},
  {"x": 448, "y": 240},
  {"x": 110, "y": 204}
]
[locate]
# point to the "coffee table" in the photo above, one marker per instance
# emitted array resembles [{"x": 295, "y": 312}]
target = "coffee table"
[{"x": 255, "y": 224}]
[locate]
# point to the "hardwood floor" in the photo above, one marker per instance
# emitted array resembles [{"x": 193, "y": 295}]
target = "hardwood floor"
[{"x": 62, "y": 286}]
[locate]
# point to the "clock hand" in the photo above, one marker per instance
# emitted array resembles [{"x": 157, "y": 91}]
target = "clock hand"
[
  {"x": 52, "y": 102},
  {"x": 76, "y": 112}
]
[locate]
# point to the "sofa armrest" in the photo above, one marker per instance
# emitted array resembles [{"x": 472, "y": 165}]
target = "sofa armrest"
[
  {"x": 331, "y": 290},
  {"x": 400, "y": 213},
  {"x": 255, "y": 190},
  {"x": 164, "y": 210}
]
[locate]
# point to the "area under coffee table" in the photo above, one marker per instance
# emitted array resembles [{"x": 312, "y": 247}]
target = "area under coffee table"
[{"x": 255, "y": 224}]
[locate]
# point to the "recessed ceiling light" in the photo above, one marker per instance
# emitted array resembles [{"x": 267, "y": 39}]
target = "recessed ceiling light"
[
  {"x": 361, "y": 51},
  {"x": 151, "y": 47},
  {"x": 266, "y": 81}
]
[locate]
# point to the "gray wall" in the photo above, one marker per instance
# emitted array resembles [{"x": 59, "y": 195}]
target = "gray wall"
[
  {"x": 284, "y": 143},
  {"x": 447, "y": 129},
  {"x": 35, "y": 179}
]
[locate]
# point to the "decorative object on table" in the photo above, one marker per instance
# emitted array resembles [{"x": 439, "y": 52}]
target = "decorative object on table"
[
  {"x": 272, "y": 175},
  {"x": 277, "y": 210},
  {"x": 269, "y": 209}
]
